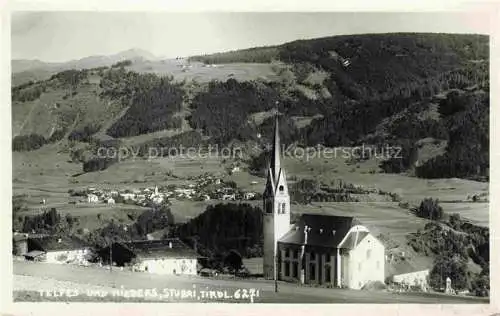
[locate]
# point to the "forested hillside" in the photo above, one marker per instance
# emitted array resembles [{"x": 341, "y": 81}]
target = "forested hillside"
[{"x": 372, "y": 89}]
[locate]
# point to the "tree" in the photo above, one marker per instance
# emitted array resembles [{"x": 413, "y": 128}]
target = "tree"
[
  {"x": 455, "y": 221},
  {"x": 234, "y": 261},
  {"x": 429, "y": 208},
  {"x": 453, "y": 267}
]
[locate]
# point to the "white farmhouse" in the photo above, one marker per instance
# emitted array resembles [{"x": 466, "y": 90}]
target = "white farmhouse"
[
  {"x": 164, "y": 256},
  {"x": 58, "y": 249}
]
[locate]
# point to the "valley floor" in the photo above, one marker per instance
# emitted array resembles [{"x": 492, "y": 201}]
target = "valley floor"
[{"x": 30, "y": 278}]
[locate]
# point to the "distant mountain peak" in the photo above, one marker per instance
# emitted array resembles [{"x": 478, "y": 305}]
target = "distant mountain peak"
[{"x": 136, "y": 53}]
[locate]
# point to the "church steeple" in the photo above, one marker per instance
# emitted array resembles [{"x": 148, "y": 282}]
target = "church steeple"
[
  {"x": 275, "y": 154},
  {"x": 276, "y": 207}
]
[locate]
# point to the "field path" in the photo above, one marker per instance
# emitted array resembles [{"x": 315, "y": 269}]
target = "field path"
[{"x": 288, "y": 293}]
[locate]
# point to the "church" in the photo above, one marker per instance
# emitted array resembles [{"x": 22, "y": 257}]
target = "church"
[{"x": 317, "y": 249}]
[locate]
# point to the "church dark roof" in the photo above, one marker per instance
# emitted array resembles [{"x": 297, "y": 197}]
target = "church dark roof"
[{"x": 325, "y": 231}]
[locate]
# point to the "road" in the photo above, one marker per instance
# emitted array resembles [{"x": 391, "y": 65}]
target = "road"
[{"x": 233, "y": 289}]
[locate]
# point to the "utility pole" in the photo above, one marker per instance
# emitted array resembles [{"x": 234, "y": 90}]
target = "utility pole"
[{"x": 275, "y": 273}]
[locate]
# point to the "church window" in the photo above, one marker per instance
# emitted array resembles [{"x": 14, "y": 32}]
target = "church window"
[
  {"x": 295, "y": 254},
  {"x": 327, "y": 258},
  {"x": 281, "y": 188},
  {"x": 283, "y": 208},
  {"x": 328, "y": 277},
  {"x": 313, "y": 256},
  {"x": 295, "y": 270},
  {"x": 287, "y": 268},
  {"x": 368, "y": 253},
  {"x": 312, "y": 271},
  {"x": 269, "y": 207}
]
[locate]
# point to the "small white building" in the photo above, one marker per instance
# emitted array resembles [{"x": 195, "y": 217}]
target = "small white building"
[
  {"x": 249, "y": 195},
  {"x": 128, "y": 196},
  {"x": 228, "y": 197},
  {"x": 92, "y": 198},
  {"x": 111, "y": 201},
  {"x": 157, "y": 199},
  {"x": 164, "y": 256},
  {"x": 58, "y": 249},
  {"x": 416, "y": 278}
]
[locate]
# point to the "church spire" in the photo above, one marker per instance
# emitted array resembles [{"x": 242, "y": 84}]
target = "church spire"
[{"x": 275, "y": 158}]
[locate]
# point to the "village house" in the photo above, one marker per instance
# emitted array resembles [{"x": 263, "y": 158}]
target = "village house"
[
  {"x": 92, "y": 198},
  {"x": 249, "y": 195},
  {"x": 19, "y": 244},
  {"x": 317, "y": 249},
  {"x": 235, "y": 169},
  {"x": 164, "y": 256},
  {"x": 416, "y": 279},
  {"x": 228, "y": 197},
  {"x": 128, "y": 196},
  {"x": 110, "y": 201},
  {"x": 58, "y": 249}
]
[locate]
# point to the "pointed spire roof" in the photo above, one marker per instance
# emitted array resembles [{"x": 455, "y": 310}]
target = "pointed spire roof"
[{"x": 275, "y": 154}]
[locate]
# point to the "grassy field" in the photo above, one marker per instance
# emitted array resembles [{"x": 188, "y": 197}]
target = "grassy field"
[
  {"x": 46, "y": 174},
  {"x": 198, "y": 72}
]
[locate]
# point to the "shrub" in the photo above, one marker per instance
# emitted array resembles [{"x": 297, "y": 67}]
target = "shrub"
[
  {"x": 429, "y": 208},
  {"x": 455, "y": 268},
  {"x": 28, "y": 142}
]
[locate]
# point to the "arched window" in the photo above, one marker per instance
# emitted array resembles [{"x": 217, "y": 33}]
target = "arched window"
[
  {"x": 281, "y": 188},
  {"x": 368, "y": 253},
  {"x": 283, "y": 208}
]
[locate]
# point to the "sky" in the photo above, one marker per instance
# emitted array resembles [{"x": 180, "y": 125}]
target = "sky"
[{"x": 63, "y": 36}]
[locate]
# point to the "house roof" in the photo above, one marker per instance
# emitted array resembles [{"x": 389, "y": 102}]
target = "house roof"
[
  {"x": 34, "y": 254},
  {"x": 20, "y": 237},
  {"x": 161, "y": 248},
  {"x": 326, "y": 230},
  {"x": 56, "y": 243},
  {"x": 352, "y": 241}
]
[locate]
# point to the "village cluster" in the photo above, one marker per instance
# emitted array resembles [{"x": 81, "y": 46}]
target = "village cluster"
[{"x": 204, "y": 188}]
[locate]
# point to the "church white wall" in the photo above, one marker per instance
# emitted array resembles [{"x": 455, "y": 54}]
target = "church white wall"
[
  {"x": 168, "y": 266},
  {"x": 366, "y": 263},
  {"x": 276, "y": 224},
  {"x": 269, "y": 244}
]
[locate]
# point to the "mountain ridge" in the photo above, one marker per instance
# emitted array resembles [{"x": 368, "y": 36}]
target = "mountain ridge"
[
  {"x": 20, "y": 65},
  {"x": 341, "y": 89}
]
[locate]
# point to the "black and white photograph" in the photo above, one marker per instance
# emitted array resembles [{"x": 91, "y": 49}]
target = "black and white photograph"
[{"x": 250, "y": 157}]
